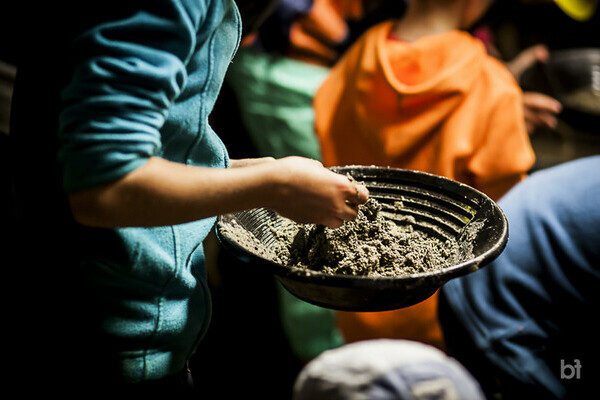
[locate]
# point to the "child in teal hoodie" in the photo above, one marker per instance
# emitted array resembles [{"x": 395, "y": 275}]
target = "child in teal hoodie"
[{"x": 118, "y": 177}]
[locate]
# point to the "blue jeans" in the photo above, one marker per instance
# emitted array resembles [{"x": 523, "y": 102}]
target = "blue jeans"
[{"x": 525, "y": 324}]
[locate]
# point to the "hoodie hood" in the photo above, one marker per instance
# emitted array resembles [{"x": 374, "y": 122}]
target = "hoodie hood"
[
  {"x": 409, "y": 88},
  {"x": 438, "y": 65},
  {"x": 427, "y": 105}
]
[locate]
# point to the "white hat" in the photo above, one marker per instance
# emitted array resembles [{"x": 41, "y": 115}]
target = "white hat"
[{"x": 385, "y": 369}]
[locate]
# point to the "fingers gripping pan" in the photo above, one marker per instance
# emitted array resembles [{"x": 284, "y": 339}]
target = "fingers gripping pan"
[{"x": 438, "y": 206}]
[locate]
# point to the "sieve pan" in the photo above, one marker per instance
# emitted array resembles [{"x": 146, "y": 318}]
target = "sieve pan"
[{"x": 439, "y": 206}]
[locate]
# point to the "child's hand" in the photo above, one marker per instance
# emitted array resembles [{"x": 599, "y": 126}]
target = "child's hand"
[
  {"x": 540, "y": 110},
  {"x": 307, "y": 192}
]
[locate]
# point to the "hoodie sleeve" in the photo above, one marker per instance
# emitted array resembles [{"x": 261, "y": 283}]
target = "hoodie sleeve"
[
  {"x": 128, "y": 70},
  {"x": 504, "y": 154}
]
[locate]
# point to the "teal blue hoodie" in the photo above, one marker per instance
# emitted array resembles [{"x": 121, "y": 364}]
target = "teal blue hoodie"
[{"x": 146, "y": 75}]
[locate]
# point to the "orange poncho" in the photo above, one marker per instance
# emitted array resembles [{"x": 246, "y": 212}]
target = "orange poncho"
[{"x": 440, "y": 105}]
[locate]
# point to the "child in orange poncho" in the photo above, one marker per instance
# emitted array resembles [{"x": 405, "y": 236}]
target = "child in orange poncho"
[{"x": 422, "y": 94}]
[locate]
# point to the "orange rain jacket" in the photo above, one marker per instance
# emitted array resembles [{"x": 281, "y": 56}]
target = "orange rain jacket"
[{"x": 440, "y": 105}]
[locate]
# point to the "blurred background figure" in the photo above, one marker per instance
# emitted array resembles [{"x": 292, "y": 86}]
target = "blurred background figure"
[
  {"x": 421, "y": 93},
  {"x": 385, "y": 370}
]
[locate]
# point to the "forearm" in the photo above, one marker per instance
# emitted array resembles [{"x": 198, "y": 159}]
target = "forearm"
[{"x": 167, "y": 193}]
